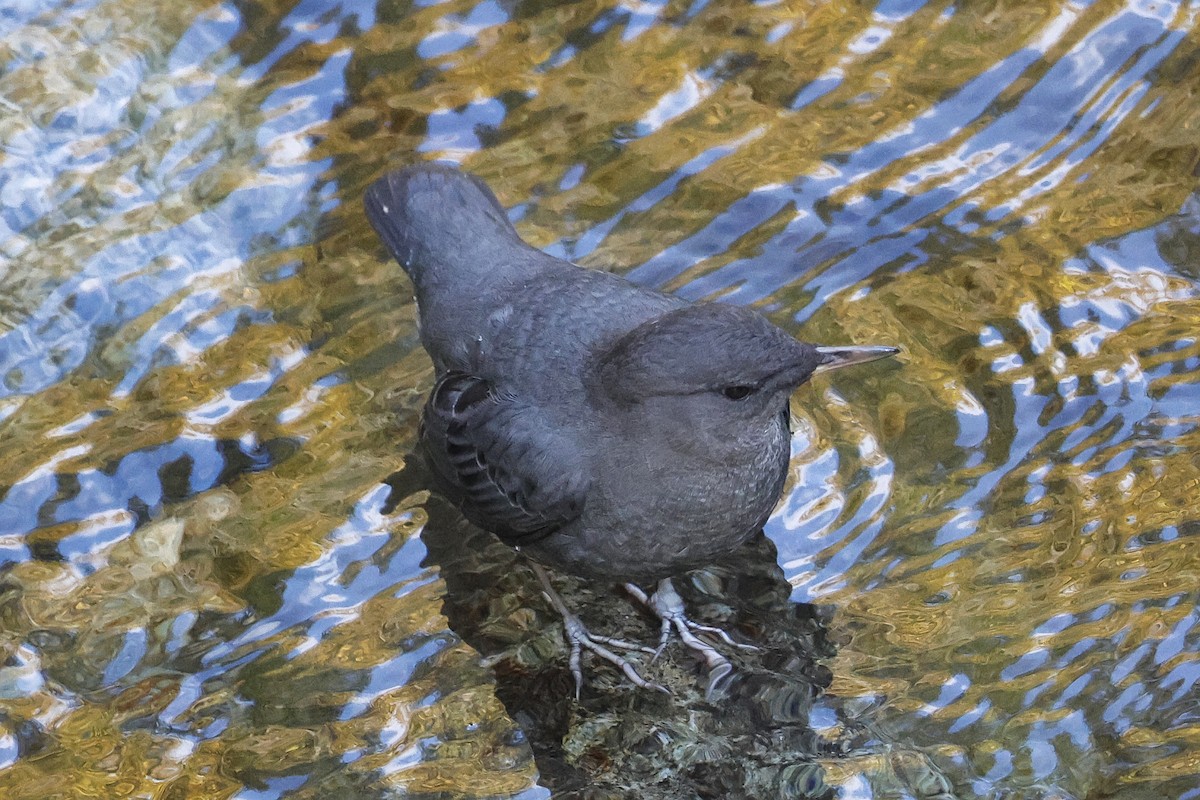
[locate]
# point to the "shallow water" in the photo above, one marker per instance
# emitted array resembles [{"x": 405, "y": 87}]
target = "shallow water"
[{"x": 220, "y": 576}]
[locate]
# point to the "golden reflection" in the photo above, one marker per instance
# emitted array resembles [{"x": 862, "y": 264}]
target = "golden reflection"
[{"x": 207, "y": 386}]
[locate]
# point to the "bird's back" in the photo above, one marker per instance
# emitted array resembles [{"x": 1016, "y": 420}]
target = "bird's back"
[{"x": 490, "y": 304}]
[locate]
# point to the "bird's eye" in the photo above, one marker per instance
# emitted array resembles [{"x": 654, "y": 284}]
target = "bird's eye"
[{"x": 738, "y": 392}]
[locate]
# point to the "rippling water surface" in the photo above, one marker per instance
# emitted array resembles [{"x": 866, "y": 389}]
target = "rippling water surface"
[{"x": 219, "y": 577}]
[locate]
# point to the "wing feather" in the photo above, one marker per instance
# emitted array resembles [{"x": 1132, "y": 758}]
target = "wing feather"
[{"x": 500, "y": 461}]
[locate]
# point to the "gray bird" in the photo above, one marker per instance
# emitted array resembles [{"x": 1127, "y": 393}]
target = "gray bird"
[{"x": 600, "y": 427}]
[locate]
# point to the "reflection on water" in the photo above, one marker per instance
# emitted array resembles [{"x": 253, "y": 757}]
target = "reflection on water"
[{"x": 208, "y": 372}]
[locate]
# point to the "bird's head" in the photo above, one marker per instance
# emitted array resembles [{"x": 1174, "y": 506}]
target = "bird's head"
[{"x": 715, "y": 365}]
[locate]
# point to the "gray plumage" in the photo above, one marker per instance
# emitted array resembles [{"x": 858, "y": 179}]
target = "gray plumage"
[{"x": 604, "y": 428}]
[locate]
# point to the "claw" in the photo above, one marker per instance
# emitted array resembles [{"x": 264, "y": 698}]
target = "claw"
[
  {"x": 720, "y": 634},
  {"x": 580, "y": 638},
  {"x": 667, "y": 605}
]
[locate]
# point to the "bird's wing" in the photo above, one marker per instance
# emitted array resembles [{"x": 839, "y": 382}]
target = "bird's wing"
[{"x": 501, "y": 462}]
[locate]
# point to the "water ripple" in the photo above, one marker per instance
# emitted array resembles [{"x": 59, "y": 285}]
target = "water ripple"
[{"x": 207, "y": 374}]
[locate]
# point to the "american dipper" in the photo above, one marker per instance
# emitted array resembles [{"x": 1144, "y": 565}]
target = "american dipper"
[{"x": 600, "y": 427}]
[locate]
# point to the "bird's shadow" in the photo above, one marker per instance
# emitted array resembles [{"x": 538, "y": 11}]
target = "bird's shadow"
[{"x": 753, "y": 738}]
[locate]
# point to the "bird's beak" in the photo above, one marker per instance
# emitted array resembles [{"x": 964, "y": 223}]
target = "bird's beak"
[{"x": 837, "y": 357}]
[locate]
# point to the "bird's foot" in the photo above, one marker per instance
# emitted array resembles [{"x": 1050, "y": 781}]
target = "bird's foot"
[
  {"x": 667, "y": 605},
  {"x": 580, "y": 638}
]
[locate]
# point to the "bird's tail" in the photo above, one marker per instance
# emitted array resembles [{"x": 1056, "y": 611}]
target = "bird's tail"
[{"x": 434, "y": 214}]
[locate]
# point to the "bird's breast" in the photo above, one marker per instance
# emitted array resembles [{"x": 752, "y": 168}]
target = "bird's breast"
[{"x": 651, "y": 516}]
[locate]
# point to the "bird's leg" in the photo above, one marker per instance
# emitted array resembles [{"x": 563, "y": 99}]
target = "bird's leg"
[
  {"x": 667, "y": 605},
  {"x": 580, "y": 638}
]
